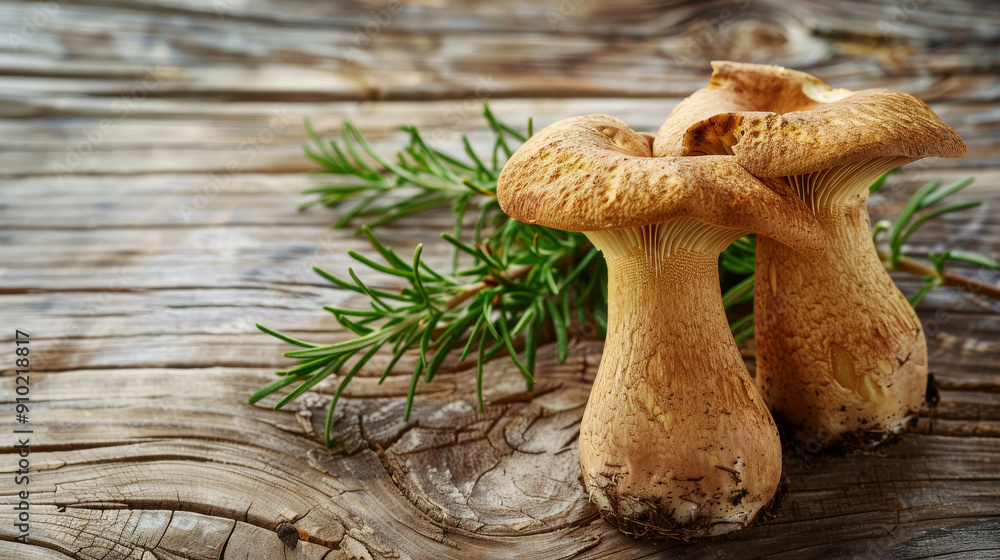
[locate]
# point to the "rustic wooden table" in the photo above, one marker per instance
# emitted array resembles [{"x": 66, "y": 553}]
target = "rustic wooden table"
[{"x": 150, "y": 172}]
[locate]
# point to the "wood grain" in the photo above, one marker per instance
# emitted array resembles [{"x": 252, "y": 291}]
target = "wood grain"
[{"x": 150, "y": 170}]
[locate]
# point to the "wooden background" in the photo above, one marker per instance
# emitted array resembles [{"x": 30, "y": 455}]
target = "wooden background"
[{"x": 150, "y": 170}]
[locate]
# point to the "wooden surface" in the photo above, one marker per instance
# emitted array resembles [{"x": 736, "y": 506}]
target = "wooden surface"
[{"x": 150, "y": 170}]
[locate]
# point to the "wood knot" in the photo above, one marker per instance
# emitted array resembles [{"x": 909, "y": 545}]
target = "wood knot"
[{"x": 287, "y": 534}]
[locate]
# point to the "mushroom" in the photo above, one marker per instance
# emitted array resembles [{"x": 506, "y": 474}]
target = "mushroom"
[
  {"x": 675, "y": 440},
  {"x": 840, "y": 352}
]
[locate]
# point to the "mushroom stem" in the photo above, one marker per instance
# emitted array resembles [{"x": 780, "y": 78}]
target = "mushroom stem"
[
  {"x": 858, "y": 367},
  {"x": 675, "y": 441}
]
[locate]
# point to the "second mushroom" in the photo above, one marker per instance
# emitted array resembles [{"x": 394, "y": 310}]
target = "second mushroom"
[
  {"x": 840, "y": 351},
  {"x": 676, "y": 440}
]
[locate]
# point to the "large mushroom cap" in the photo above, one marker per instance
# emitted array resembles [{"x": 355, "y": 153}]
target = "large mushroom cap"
[
  {"x": 594, "y": 173},
  {"x": 780, "y": 122}
]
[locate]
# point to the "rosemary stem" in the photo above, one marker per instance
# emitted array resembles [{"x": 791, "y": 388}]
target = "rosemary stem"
[
  {"x": 950, "y": 279},
  {"x": 470, "y": 290}
]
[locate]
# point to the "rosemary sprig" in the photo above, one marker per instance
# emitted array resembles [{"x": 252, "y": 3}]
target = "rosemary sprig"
[
  {"x": 922, "y": 207},
  {"x": 528, "y": 291},
  {"x": 508, "y": 280},
  {"x": 516, "y": 280}
]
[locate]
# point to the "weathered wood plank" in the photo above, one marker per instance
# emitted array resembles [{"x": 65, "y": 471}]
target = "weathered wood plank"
[
  {"x": 30, "y": 553},
  {"x": 136, "y": 332},
  {"x": 139, "y": 274},
  {"x": 205, "y": 461},
  {"x": 967, "y": 20},
  {"x": 272, "y": 144},
  {"x": 358, "y": 50}
]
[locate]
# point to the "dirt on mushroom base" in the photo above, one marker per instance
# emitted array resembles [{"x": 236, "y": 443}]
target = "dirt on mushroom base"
[{"x": 656, "y": 523}]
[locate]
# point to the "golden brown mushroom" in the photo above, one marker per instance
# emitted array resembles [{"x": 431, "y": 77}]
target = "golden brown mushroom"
[
  {"x": 675, "y": 440},
  {"x": 839, "y": 349}
]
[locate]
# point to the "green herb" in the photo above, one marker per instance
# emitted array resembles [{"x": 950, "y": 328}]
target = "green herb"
[
  {"x": 508, "y": 281},
  {"x": 922, "y": 207}
]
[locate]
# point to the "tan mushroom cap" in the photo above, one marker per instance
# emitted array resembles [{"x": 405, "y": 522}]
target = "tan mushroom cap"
[
  {"x": 780, "y": 122},
  {"x": 595, "y": 173}
]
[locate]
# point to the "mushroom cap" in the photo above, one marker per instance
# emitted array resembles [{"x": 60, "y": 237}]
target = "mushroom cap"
[
  {"x": 594, "y": 173},
  {"x": 780, "y": 122}
]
